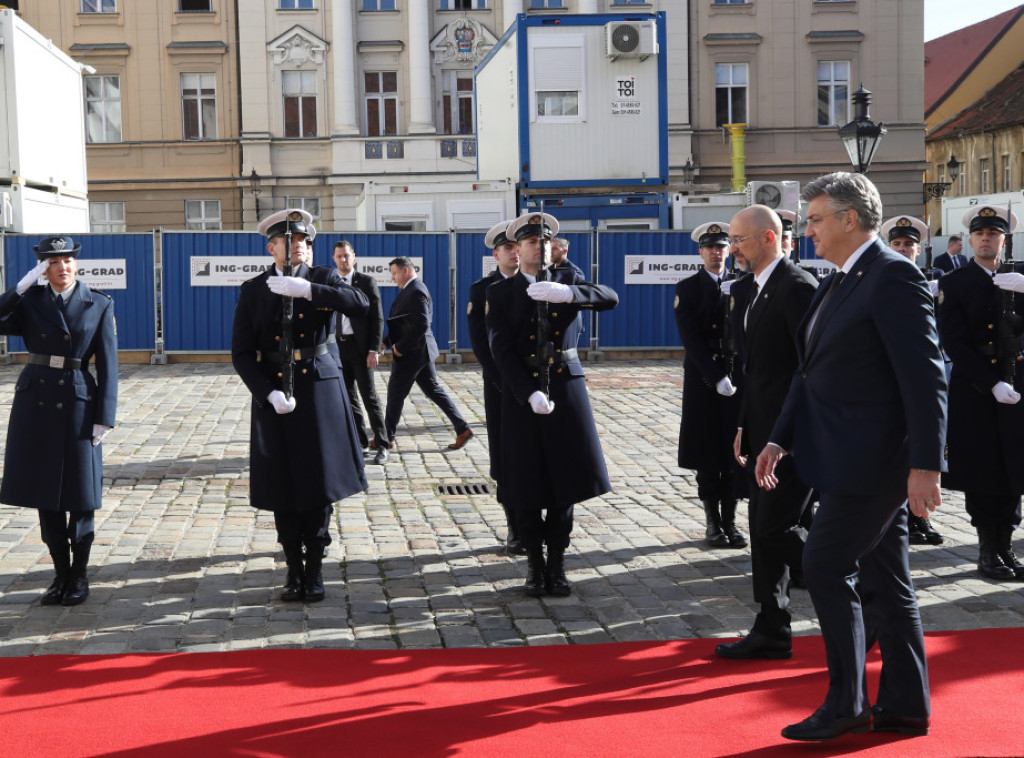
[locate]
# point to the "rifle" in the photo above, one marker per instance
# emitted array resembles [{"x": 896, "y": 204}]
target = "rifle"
[
  {"x": 287, "y": 312},
  {"x": 929, "y": 271},
  {"x": 728, "y": 349},
  {"x": 545, "y": 350},
  {"x": 1008, "y": 339}
]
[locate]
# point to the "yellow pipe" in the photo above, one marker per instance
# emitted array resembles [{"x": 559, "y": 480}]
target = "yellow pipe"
[{"x": 739, "y": 156}]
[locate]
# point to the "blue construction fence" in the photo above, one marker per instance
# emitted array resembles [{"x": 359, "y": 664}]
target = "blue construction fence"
[{"x": 159, "y": 308}]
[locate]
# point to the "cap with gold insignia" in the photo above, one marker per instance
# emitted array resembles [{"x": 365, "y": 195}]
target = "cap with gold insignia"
[
  {"x": 532, "y": 224},
  {"x": 295, "y": 220},
  {"x": 904, "y": 226},
  {"x": 989, "y": 217},
  {"x": 497, "y": 235},
  {"x": 789, "y": 219},
  {"x": 711, "y": 233},
  {"x": 51, "y": 247}
]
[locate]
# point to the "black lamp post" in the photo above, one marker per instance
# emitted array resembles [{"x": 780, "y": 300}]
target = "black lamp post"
[
  {"x": 935, "y": 190},
  {"x": 861, "y": 136},
  {"x": 254, "y": 187}
]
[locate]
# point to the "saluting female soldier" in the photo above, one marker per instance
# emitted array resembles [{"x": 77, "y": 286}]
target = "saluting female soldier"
[{"x": 61, "y": 411}]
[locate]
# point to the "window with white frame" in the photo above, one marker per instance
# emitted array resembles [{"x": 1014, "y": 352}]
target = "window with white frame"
[
  {"x": 103, "y": 109},
  {"x": 398, "y": 224},
  {"x": 199, "y": 106},
  {"x": 98, "y": 6},
  {"x": 1005, "y": 173},
  {"x": 630, "y": 2},
  {"x": 731, "y": 93},
  {"x": 457, "y": 101},
  {"x": 378, "y": 5},
  {"x": 309, "y": 204},
  {"x": 559, "y": 81},
  {"x": 833, "y": 92},
  {"x": 962, "y": 187},
  {"x": 299, "y": 103},
  {"x": 296, "y": 5},
  {"x": 202, "y": 214},
  {"x": 940, "y": 172},
  {"x": 545, "y": 3},
  {"x": 381, "y": 92},
  {"x": 106, "y": 218},
  {"x": 985, "y": 175},
  {"x": 463, "y": 5}
]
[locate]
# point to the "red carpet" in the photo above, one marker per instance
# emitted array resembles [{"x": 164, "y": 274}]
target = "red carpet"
[{"x": 642, "y": 699}]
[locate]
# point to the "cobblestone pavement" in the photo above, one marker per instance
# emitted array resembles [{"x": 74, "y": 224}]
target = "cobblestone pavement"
[{"x": 181, "y": 562}]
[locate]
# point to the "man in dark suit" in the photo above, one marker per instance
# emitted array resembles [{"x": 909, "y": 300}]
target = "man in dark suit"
[
  {"x": 953, "y": 258},
  {"x": 358, "y": 344},
  {"x": 766, "y": 321},
  {"x": 560, "y": 256},
  {"x": 982, "y": 334},
  {"x": 865, "y": 421},
  {"x": 506, "y": 253},
  {"x": 412, "y": 344},
  {"x": 304, "y": 452},
  {"x": 551, "y": 453},
  {"x": 710, "y": 402}
]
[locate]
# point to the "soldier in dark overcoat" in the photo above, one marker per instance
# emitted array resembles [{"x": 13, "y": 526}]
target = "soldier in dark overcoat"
[
  {"x": 61, "y": 409},
  {"x": 551, "y": 454},
  {"x": 506, "y": 253},
  {"x": 710, "y": 399},
  {"x": 304, "y": 449},
  {"x": 985, "y": 440}
]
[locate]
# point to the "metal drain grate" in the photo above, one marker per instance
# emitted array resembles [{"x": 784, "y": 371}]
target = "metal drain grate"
[{"x": 469, "y": 488}]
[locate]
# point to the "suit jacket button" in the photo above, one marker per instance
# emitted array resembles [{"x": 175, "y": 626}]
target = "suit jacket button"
[
  {"x": 533, "y": 336},
  {"x": 803, "y": 374},
  {"x": 40, "y": 403},
  {"x": 60, "y": 405},
  {"x": 42, "y": 381},
  {"x": 305, "y": 371},
  {"x": 277, "y": 338},
  {"x": 67, "y": 338},
  {"x": 302, "y": 315},
  {"x": 279, "y": 374},
  {"x": 61, "y": 382},
  {"x": 43, "y": 336},
  {"x": 554, "y": 315}
]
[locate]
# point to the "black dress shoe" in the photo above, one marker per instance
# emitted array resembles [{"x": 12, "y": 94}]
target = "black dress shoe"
[
  {"x": 381, "y": 457},
  {"x": 755, "y": 645},
  {"x": 821, "y": 726},
  {"x": 887, "y": 721}
]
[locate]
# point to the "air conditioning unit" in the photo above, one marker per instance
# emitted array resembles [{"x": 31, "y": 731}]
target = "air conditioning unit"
[
  {"x": 776, "y": 195},
  {"x": 631, "y": 39}
]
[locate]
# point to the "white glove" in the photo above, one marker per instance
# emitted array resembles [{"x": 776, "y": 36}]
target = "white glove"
[
  {"x": 727, "y": 287},
  {"x": 724, "y": 387},
  {"x": 290, "y": 286},
  {"x": 933, "y": 287},
  {"x": 1011, "y": 281},
  {"x": 540, "y": 403},
  {"x": 281, "y": 403},
  {"x": 99, "y": 431},
  {"x": 1004, "y": 393},
  {"x": 551, "y": 292},
  {"x": 33, "y": 276}
]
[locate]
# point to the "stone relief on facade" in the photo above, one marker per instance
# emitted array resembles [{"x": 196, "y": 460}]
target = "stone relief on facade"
[
  {"x": 297, "y": 48},
  {"x": 462, "y": 41}
]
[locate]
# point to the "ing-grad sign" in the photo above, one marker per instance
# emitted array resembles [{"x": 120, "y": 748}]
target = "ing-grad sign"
[
  {"x": 660, "y": 269},
  {"x": 232, "y": 270}
]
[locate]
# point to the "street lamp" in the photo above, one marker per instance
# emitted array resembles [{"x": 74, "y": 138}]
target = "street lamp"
[
  {"x": 688, "y": 171},
  {"x": 254, "y": 187},
  {"x": 935, "y": 190},
  {"x": 861, "y": 136}
]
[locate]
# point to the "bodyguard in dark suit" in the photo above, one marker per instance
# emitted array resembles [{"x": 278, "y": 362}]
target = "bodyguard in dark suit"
[
  {"x": 412, "y": 343},
  {"x": 986, "y": 416},
  {"x": 952, "y": 259},
  {"x": 506, "y": 253},
  {"x": 358, "y": 345},
  {"x": 865, "y": 421},
  {"x": 768, "y": 309},
  {"x": 710, "y": 402},
  {"x": 61, "y": 410},
  {"x": 304, "y": 451},
  {"x": 551, "y": 454}
]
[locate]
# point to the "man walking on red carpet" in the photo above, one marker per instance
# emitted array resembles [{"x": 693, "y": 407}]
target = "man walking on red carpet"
[{"x": 865, "y": 420}]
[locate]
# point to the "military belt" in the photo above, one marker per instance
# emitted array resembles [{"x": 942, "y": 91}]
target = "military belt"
[
  {"x": 54, "y": 361},
  {"x": 304, "y": 353},
  {"x": 559, "y": 357}
]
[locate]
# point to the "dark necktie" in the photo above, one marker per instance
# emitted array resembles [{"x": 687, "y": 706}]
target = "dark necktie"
[
  {"x": 837, "y": 279},
  {"x": 750, "y": 305},
  {"x": 60, "y": 303}
]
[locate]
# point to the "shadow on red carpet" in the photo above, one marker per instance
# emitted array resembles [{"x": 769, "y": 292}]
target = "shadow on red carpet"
[{"x": 630, "y": 699}]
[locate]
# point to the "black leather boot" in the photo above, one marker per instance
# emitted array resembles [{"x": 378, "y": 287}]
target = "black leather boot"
[
  {"x": 555, "y": 580},
  {"x": 78, "y": 582},
  {"x": 513, "y": 545},
  {"x": 54, "y": 595},
  {"x": 735, "y": 536},
  {"x": 1005, "y": 550},
  {"x": 293, "y": 583},
  {"x": 535, "y": 580},
  {"x": 714, "y": 535},
  {"x": 990, "y": 565},
  {"x": 314, "y": 575}
]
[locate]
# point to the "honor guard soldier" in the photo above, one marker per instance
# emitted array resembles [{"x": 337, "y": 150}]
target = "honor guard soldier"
[
  {"x": 980, "y": 309},
  {"x": 304, "y": 450},
  {"x": 903, "y": 234},
  {"x": 506, "y": 253},
  {"x": 61, "y": 410},
  {"x": 789, "y": 219},
  {"x": 710, "y": 402},
  {"x": 551, "y": 454}
]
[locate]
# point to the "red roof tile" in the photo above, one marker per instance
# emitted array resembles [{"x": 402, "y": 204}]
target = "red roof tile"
[{"x": 1001, "y": 106}]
